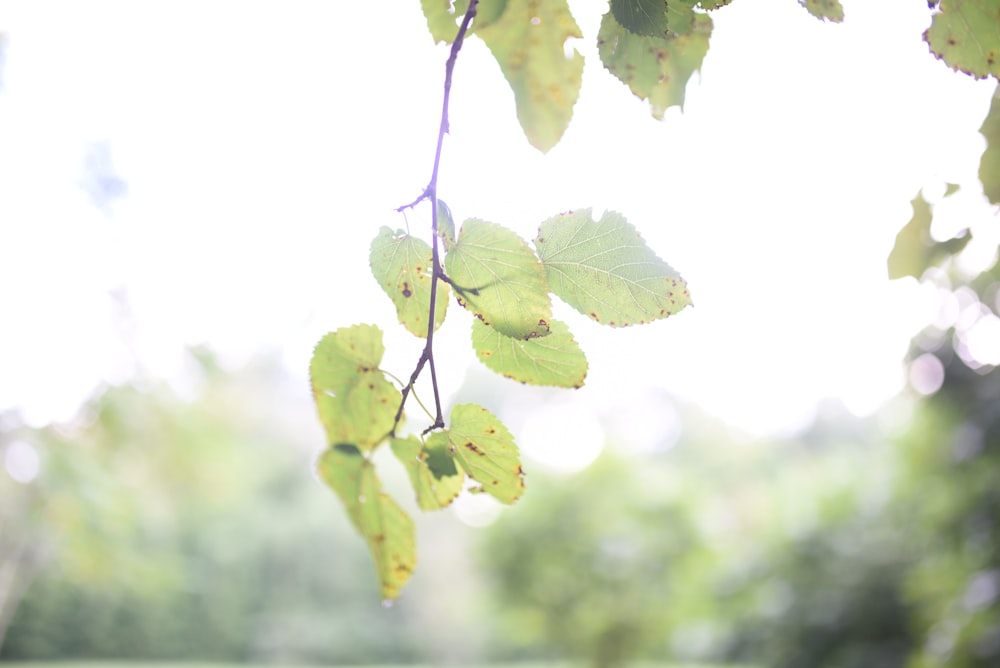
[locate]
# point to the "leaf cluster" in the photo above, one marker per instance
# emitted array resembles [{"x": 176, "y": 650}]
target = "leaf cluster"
[{"x": 602, "y": 268}]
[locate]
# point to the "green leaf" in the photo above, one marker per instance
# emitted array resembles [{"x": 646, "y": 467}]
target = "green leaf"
[
  {"x": 605, "y": 270},
  {"x": 443, "y": 19},
  {"x": 553, "y": 360},
  {"x": 486, "y": 451},
  {"x": 989, "y": 164},
  {"x": 830, "y": 10},
  {"x": 356, "y": 404},
  {"x": 642, "y": 17},
  {"x": 387, "y": 529},
  {"x": 964, "y": 35},
  {"x": 655, "y": 68},
  {"x": 435, "y": 488},
  {"x": 402, "y": 266},
  {"x": 528, "y": 42},
  {"x": 497, "y": 276},
  {"x": 915, "y": 250},
  {"x": 950, "y": 189}
]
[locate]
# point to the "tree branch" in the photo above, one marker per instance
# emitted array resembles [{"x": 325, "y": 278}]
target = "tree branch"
[{"x": 430, "y": 193}]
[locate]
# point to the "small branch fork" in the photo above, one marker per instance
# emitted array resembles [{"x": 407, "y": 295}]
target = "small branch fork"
[{"x": 430, "y": 193}]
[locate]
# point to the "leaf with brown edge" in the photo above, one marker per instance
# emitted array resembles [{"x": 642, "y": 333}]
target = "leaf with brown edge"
[
  {"x": 605, "y": 270},
  {"x": 386, "y": 528},
  {"x": 497, "y": 276},
  {"x": 486, "y": 451},
  {"x": 555, "y": 360},
  {"x": 436, "y": 486},
  {"x": 965, "y": 36}
]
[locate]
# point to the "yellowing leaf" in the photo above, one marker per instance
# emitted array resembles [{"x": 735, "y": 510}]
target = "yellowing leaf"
[
  {"x": 402, "y": 265},
  {"x": 387, "y": 529},
  {"x": 356, "y": 404},
  {"x": 528, "y": 41},
  {"x": 655, "y": 68},
  {"x": 435, "y": 489},
  {"x": 486, "y": 451},
  {"x": 605, "y": 270},
  {"x": 830, "y": 10},
  {"x": 552, "y": 360},
  {"x": 497, "y": 276},
  {"x": 964, "y": 35}
]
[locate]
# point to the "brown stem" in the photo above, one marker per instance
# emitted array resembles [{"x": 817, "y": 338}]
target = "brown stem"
[{"x": 430, "y": 193}]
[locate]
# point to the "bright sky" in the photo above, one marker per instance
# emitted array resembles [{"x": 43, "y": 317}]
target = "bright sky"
[{"x": 263, "y": 144}]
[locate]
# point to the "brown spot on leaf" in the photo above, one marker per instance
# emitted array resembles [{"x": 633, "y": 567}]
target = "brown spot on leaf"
[
  {"x": 474, "y": 448},
  {"x": 406, "y": 289},
  {"x": 594, "y": 316}
]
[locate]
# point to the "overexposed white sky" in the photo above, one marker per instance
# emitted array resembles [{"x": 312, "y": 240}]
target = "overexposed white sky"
[{"x": 264, "y": 144}]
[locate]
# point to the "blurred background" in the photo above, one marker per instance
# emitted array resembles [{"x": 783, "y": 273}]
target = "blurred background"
[{"x": 803, "y": 470}]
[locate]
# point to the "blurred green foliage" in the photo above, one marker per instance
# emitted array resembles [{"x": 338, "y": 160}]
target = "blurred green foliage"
[{"x": 162, "y": 527}]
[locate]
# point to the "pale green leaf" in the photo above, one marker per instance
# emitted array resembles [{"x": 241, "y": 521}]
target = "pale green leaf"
[
  {"x": 552, "y": 360},
  {"x": 445, "y": 16},
  {"x": 402, "y": 265},
  {"x": 915, "y": 250},
  {"x": 642, "y": 17},
  {"x": 486, "y": 452},
  {"x": 435, "y": 489},
  {"x": 605, "y": 270},
  {"x": 828, "y": 10},
  {"x": 528, "y": 41},
  {"x": 950, "y": 189},
  {"x": 497, "y": 276},
  {"x": 655, "y": 68},
  {"x": 386, "y": 528},
  {"x": 965, "y": 34},
  {"x": 989, "y": 164},
  {"x": 356, "y": 404}
]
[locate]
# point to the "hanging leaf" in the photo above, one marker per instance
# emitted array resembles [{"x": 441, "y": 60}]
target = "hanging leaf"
[
  {"x": 356, "y": 404},
  {"x": 486, "y": 451},
  {"x": 915, "y": 250},
  {"x": 497, "y": 276},
  {"x": 989, "y": 164},
  {"x": 828, "y": 10},
  {"x": 642, "y": 17},
  {"x": 605, "y": 270},
  {"x": 402, "y": 265},
  {"x": 552, "y": 360},
  {"x": 655, "y": 68},
  {"x": 435, "y": 487},
  {"x": 964, "y": 35},
  {"x": 528, "y": 41},
  {"x": 387, "y": 529}
]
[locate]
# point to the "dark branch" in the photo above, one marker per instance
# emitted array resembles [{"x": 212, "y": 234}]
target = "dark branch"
[{"x": 430, "y": 193}]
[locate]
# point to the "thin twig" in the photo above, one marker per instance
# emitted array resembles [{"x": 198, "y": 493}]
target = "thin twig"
[{"x": 430, "y": 193}]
